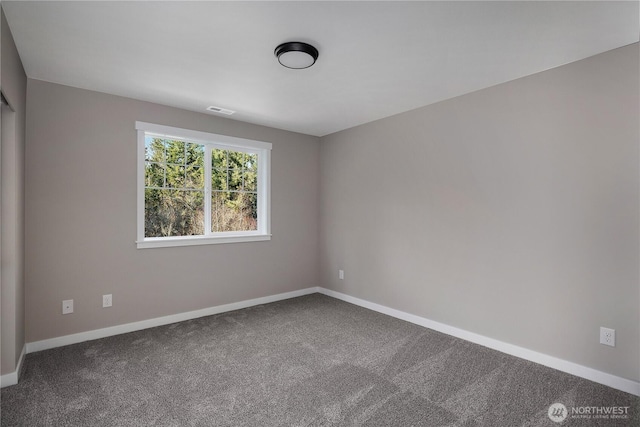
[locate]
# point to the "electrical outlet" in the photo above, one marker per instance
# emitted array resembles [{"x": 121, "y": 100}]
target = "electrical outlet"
[
  {"x": 341, "y": 274},
  {"x": 67, "y": 306},
  {"x": 608, "y": 336},
  {"x": 107, "y": 300}
]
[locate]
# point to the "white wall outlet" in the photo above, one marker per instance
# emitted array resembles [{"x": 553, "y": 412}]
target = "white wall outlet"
[
  {"x": 107, "y": 300},
  {"x": 67, "y": 306},
  {"x": 608, "y": 336},
  {"x": 341, "y": 274}
]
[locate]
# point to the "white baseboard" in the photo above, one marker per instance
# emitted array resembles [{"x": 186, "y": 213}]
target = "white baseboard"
[
  {"x": 13, "y": 377},
  {"x": 591, "y": 374},
  {"x": 160, "y": 321}
]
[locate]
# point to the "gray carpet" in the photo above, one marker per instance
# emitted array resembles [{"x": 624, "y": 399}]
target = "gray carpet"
[{"x": 308, "y": 361}]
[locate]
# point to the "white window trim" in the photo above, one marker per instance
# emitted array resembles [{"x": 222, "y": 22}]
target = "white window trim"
[{"x": 210, "y": 140}]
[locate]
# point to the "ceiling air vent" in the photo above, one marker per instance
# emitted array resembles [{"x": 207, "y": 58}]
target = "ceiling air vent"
[{"x": 220, "y": 110}]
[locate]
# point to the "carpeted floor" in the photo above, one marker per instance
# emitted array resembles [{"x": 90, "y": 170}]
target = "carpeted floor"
[{"x": 308, "y": 361}]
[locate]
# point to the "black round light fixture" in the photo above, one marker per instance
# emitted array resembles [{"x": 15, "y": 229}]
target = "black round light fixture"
[{"x": 296, "y": 55}]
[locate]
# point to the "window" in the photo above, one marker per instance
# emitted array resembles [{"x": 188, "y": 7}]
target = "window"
[{"x": 198, "y": 188}]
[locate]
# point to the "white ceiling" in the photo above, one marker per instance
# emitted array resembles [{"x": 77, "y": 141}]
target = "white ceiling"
[{"x": 376, "y": 58}]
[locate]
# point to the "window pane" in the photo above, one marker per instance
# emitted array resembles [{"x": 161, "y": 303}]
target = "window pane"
[
  {"x": 235, "y": 179},
  {"x": 175, "y": 176},
  {"x": 175, "y": 152},
  {"x": 194, "y": 177},
  {"x": 250, "y": 201},
  {"x": 219, "y": 179},
  {"x": 251, "y": 162},
  {"x": 148, "y": 149},
  {"x": 173, "y": 213},
  {"x": 236, "y": 159},
  {"x": 195, "y": 154},
  {"x": 219, "y": 159},
  {"x": 233, "y": 211},
  {"x": 251, "y": 176},
  {"x": 154, "y": 149},
  {"x": 154, "y": 175}
]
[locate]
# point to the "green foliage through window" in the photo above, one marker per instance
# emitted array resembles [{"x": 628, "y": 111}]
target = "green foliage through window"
[{"x": 175, "y": 189}]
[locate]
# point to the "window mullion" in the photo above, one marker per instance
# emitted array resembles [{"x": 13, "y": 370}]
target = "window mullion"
[{"x": 207, "y": 190}]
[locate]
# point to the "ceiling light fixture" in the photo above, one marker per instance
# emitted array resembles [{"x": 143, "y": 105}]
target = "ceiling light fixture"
[{"x": 296, "y": 55}]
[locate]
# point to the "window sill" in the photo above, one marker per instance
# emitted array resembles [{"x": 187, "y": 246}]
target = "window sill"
[{"x": 165, "y": 242}]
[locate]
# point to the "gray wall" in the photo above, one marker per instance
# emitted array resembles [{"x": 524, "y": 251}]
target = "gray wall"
[
  {"x": 81, "y": 218},
  {"x": 511, "y": 212},
  {"x": 13, "y": 83}
]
